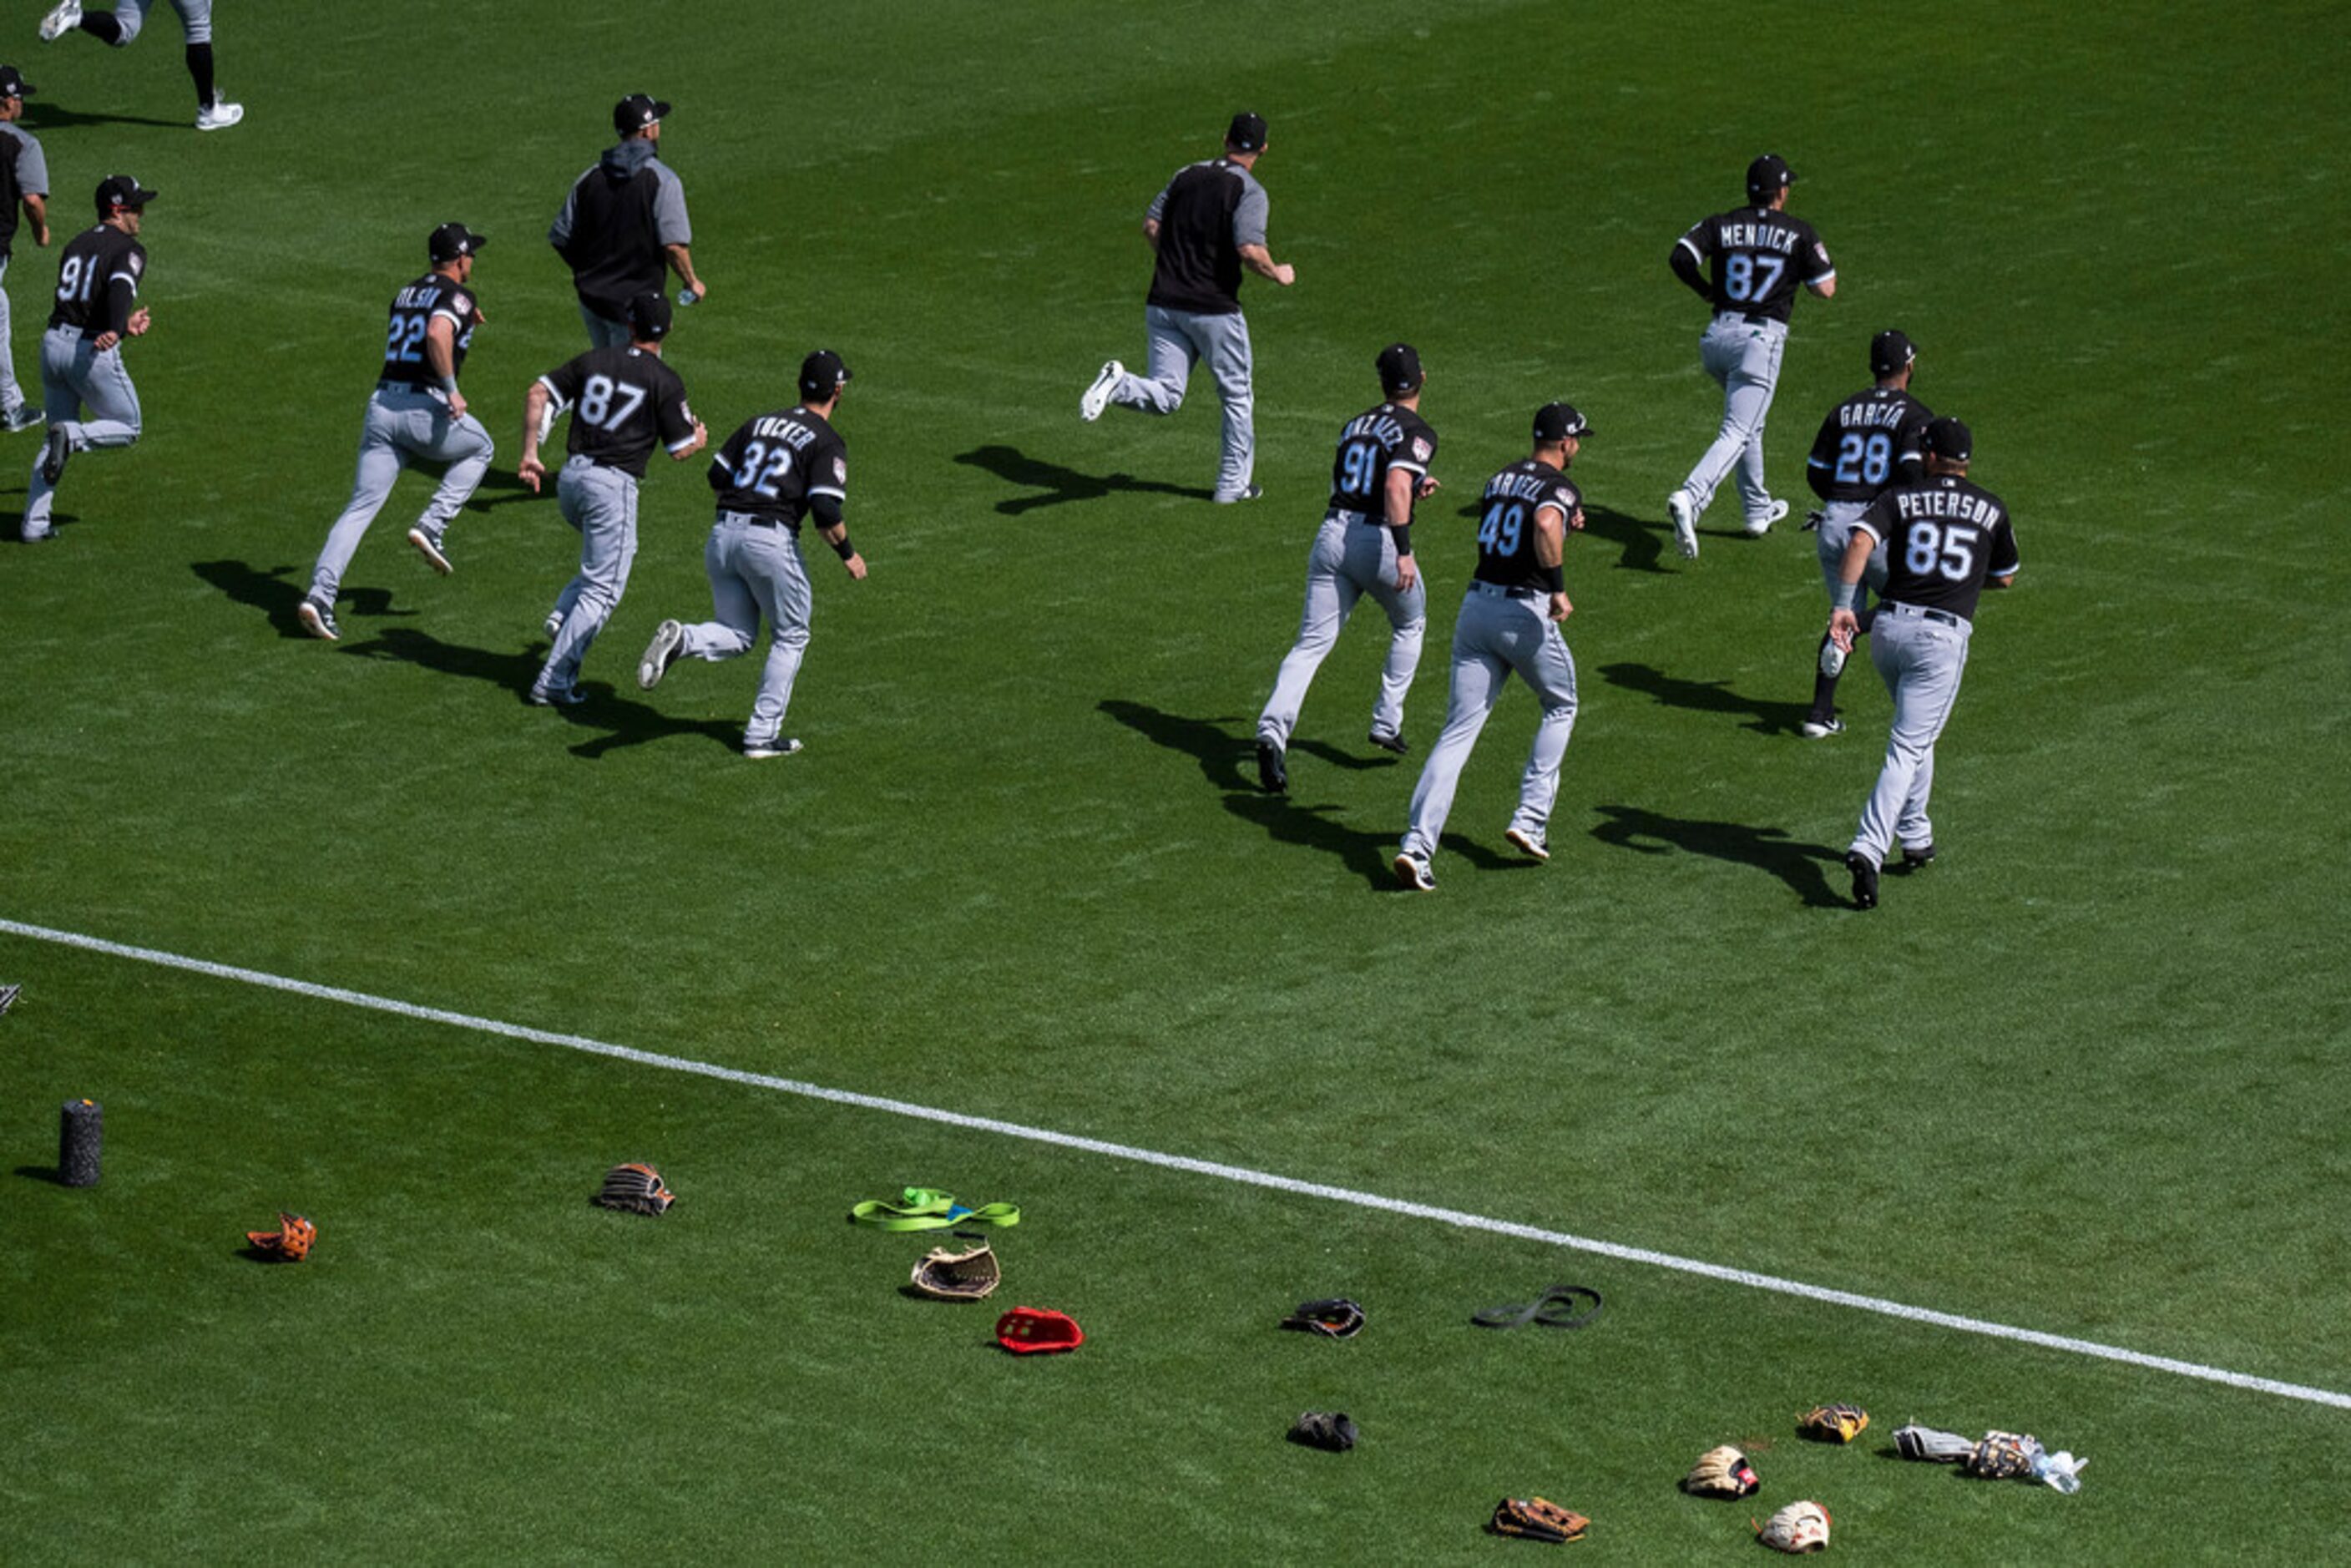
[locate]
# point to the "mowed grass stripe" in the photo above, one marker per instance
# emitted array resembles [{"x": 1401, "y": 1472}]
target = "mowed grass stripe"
[{"x": 1457, "y": 1218}]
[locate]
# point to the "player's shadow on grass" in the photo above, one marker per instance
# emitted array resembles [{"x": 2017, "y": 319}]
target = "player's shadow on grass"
[
  {"x": 1801, "y": 866},
  {"x": 1640, "y": 546},
  {"x": 509, "y": 487},
  {"x": 1058, "y": 484},
  {"x": 624, "y": 722},
  {"x": 277, "y": 591},
  {"x": 48, "y": 117},
  {"x": 1764, "y": 715},
  {"x": 1227, "y": 751}
]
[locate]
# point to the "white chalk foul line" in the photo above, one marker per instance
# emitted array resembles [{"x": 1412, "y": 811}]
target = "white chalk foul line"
[{"x": 1453, "y": 1217}]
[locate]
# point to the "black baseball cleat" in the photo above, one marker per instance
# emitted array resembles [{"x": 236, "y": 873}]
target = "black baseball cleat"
[
  {"x": 1864, "y": 880},
  {"x": 53, "y": 456},
  {"x": 1272, "y": 775},
  {"x": 1913, "y": 860},
  {"x": 1390, "y": 740},
  {"x": 1414, "y": 874},
  {"x": 429, "y": 547}
]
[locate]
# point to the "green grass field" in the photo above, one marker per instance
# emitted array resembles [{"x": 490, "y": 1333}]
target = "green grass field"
[{"x": 2083, "y": 1077}]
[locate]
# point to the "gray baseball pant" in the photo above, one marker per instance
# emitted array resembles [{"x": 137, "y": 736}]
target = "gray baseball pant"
[
  {"x": 755, "y": 570},
  {"x": 1177, "y": 341},
  {"x": 602, "y": 502},
  {"x": 1494, "y": 635},
  {"x": 1920, "y": 661},
  {"x": 195, "y": 16},
  {"x": 603, "y": 334},
  {"x": 11, "y": 395},
  {"x": 1352, "y": 556},
  {"x": 1744, "y": 356},
  {"x": 1837, "y": 518},
  {"x": 75, "y": 375},
  {"x": 402, "y": 426}
]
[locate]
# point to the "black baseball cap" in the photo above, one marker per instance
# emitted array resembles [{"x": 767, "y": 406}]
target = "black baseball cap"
[
  {"x": 821, "y": 375},
  {"x": 450, "y": 241},
  {"x": 636, "y": 112},
  {"x": 13, "y": 83},
  {"x": 121, "y": 190},
  {"x": 1247, "y": 134},
  {"x": 648, "y": 317},
  {"x": 1399, "y": 368},
  {"x": 1768, "y": 175},
  {"x": 1889, "y": 351},
  {"x": 1947, "y": 437},
  {"x": 1558, "y": 420}
]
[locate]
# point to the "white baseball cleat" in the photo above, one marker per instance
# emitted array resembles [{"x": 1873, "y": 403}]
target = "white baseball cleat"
[
  {"x": 1821, "y": 728},
  {"x": 669, "y": 641},
  {"x": 1414, "y": 874},
  {"x": 761, "y": 750},
  {"x": 1528, "y": 844},
  {"x": 1832, "y": 660},
  {"x": 1678, "y": 507},
  {"x": 430, "y": 549},
  {"x": 1760, "y": 524},
  {"x": 63, "y": 19},
  {"x": 219, "y": 115},
  {"x": 1097, "y": 398}
]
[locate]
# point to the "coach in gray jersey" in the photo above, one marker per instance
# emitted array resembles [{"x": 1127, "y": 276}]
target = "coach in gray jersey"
[
  {"x": 24, "y": 181},
  {"x": 622, "y": 222},
  {"x": 1206, "y": 226}
]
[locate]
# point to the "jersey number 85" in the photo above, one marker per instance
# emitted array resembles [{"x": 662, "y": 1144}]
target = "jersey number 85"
[{"x": 1934, "y": 547}]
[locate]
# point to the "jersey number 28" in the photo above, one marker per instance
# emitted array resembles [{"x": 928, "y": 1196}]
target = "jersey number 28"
[{"x": 1863, "y": 460}]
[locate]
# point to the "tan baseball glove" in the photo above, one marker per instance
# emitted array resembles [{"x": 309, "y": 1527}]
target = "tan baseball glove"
[
  {"x": 1721, "y": 1472},
  {"x": 946, "y": 1275},
  {"x": 1799, "y": 1527}
]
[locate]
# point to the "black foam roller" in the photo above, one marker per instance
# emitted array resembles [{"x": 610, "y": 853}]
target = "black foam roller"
[{"x": 81, "y": 1131}]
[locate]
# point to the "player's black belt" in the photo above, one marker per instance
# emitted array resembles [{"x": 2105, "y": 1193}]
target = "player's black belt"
[
  {"x": 1753, "y": 318},
  {"x": 1899, "y": 608},
  {"x": 1495, "y": 590},
  {"x": 754, "y": 518}
]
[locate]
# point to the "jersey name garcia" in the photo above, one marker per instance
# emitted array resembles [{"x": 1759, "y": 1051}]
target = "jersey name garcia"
[
  {"x": 775, "y": 462},
  {"x": 412, "y": 310},
  {"x": 1506, "y": 521},
  {"x": 94, "y": 260},
  {"x": 1871, "y": 440},
  {"x": 1943, "y": 537},
  {"x": 624, "y": 402},
  {"x": 1758, "y": 257},
  {"x": 1376, "y": 441}
]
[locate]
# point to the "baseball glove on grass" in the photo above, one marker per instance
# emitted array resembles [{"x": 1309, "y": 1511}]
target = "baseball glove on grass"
[
  {"x": 290, "y": 1243},
  {"x": 946, "y": 1275},
  {"x": 1916, "y": 1442},
  {"x": 636, "y": 1189},
  {"x": 1833, "y": 1423},
  {"x": 1721, "y": 1472},
  {"x": 1326, "y": 1429},
  {"x": 1336, "y": 1319},
  {"x": 1799, "y": 1527},
  {"x": 2003, "y": 1456},
  {"x": 1537, "y": 1518}
]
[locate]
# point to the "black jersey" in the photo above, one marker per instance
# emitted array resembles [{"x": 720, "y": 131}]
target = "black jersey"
[
  {"x": 1757, "y": 256},
  {"x": 1506, "y": 527},
  {"x": 775, "y": 463},
  {"x": 412, "y": 310},
  {"x": 95, "y": 260},
  {"x": 1943, "y": 537},
  {"x": 1206, "y": 215},
  {"x": 1374, "y": 441},
  {"x": 624, "y": 401},
  {"x": 1871, "y": 440}
]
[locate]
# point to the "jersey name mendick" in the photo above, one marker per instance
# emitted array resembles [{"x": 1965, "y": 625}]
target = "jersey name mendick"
[{"x": 1730, "y": 236}]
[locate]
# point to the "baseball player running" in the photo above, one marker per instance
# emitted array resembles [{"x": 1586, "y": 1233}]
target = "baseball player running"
[
  {"x": 1871, "y": 440},
  {"x": 24, "y": 181},
  {"x": 774, "y": 473},
  {"x": 625, "y": 401},
  {"x": 1945, "y": 537},
  {"x": 81, "y": 353},
  {"x": 1364, "y": 546},
  {"x": 122, "y": 23},
  {"x": 415, "y": 414},
  {"x": 1206, "y": 226},
  {"x": 622, "y": 222},
  {"x": 1510, "y": 621},
  {"x": 1758, "y": 254}
]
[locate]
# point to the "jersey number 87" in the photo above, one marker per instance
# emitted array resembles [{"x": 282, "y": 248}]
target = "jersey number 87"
[{"x": 596, "y": 401}]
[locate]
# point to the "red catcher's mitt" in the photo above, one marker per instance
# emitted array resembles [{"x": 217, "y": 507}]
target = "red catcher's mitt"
[{"x": 291, "y": 1242}]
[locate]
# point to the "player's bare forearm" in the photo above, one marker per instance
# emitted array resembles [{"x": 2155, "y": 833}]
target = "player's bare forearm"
[
  {"x": 1856, "y": 556},
  {"x": 1259, "y": 260},
  {"x": 1825, "y": 287},
  {"x": 681, "y": 261},
  {"x": 534, "y": 406},
  {"x": 1151, "y": 234},
  {"x": 37, "y": 211},
  {"x": 1397, "y": 495}
]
